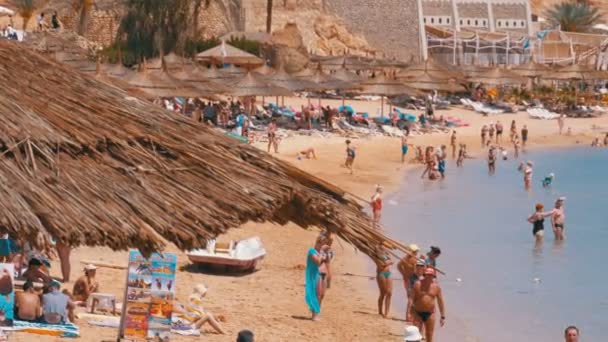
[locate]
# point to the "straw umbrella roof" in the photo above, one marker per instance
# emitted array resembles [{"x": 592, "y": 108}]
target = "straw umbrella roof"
[
  {"x": 282, "y": 79},
  {"x": 344, "y": 75},
  {"x": 575, "y": 72},
  {"x": 498, "y": 77},
  {"x": 172, "y": 61},
  {"x": 159, "y": 83},
  {"x": 197, "y": 77},
  {"x": 227, "y": 53},
  {"x": 381, "y": 85},
  {"x": 531, "y": 69},
  {"x": 428, "y": 66},
  {"x": 90, "y": 165},
  {"x": 326, "y": 82},
  {"x": 213, "y": 73},
  {"x": 429, "y": 82},
  {"x": 233, "y": 71},
  {"x": 264, "y": 70},
  {"x": 253, "y": 85}
]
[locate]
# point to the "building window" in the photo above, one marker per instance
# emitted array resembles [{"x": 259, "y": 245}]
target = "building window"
[
  {"x": 461, "y": 22},
  {"x": 476, "y": 23},
  {"x": 447, "y": 20},
  {"x": 499, "y": 23},
  {"x": 432, "y": 20},
  {"x": 514, "y": 23},
  {"x": 523, "y": 23},
  {"x": 424, "y": 19},
  {"x": 469, "y": 22},
  {"x": 439, "y": 20},
  {"x": 484, "y": 23}
]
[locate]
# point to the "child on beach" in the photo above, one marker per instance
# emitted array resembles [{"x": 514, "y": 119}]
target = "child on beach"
[{"x": 350, "y": 156}]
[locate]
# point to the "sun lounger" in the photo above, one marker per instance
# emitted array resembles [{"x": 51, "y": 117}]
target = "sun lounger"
[{"x": 542, "y": 114}]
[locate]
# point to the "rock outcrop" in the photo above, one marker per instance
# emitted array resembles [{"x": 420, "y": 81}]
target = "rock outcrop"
[{"x": 286, "y": 48}]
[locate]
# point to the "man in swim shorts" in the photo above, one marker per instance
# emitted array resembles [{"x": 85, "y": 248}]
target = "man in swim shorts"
[
  {"x": 404, "y": 147},
  {"x": 558, "y": 217},
  {"x": 423, "y": 296}
]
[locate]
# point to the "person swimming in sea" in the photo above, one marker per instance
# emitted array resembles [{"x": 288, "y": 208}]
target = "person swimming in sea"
[
  {"x": 383, "y": 277},
  {"x": 548, "y": 180},
  {"x": 538, "y": 222},
  {"x": 492, "y": 160}
]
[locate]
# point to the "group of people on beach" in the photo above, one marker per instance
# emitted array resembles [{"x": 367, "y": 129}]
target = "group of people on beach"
[{"x": 419, "y": 273}]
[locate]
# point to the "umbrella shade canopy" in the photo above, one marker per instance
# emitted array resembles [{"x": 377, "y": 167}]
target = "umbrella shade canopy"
[
  {"x": 498, "y": 77},
  {"x": 172, "y": 61},
  {"x": 383, "y": 86},
  {"x": 6, "y": 11},
  {"x": 325, "y": 82},
  {"x": 104, "y": 168},
  {"x": 346, "y": 76},
  {"x": 264, "y": 70},
  {"x": 213, "y": 73},
  {"x": 159, "y": 83},
  {"x": 233, "y": 71},
  {"x": 431, "y": 67},
  {"x": 252, "y": 85},
  {"x": 197, "y": 77},
  {"x": 428, "y": 82},
  {"x": 282, "y": 79},
  {"x": 575, "y": 72},
  {"x": 226, "y": 53},
  {"x": 531, "y": 69}
]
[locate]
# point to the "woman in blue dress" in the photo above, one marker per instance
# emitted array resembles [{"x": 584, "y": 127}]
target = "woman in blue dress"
[{"x": 315, "y": 284}]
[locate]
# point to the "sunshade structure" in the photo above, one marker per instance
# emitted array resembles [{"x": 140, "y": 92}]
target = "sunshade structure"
[
  {"x": 253, "y": 85},
  {"x": 6, "y": 11},
  {"x": 498, "y": 77},
  {"x": 196, "y": 77},
  {"x": 159, "y": 83},
  {"x": 90, "y": 165},
  {"x": 214, "y": 74},
  {"x": 428, "y": 82},
  {"x": 531, "y": 69},
  {"x": 232, "y": 71},
  {"x": 264, "y": 70},
  {"x": 228, "y": 54},
  {"x": 172, "y": 60},
  {"x": 284, "y": 80},
  {"x": 383, "y": 86},
  {"x": 428, "y": 67},
  {"x": 326, "y": 82},
  {"x": 344, "y": 75},
  {"x": 575, "y": 72}
]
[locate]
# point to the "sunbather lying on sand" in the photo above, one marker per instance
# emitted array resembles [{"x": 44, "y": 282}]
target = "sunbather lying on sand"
[{"x": 194, "y": 312}]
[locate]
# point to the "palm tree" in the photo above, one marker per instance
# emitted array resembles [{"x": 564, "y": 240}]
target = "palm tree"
[
  {"x": 574, "y": 17},
  {"x": 84, "y": 7},
  {"x": 268, "y": 16},
  {"x": 26, "y": 9}
]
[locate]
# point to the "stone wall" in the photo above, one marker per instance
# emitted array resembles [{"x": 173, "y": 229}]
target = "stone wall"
[
  {"x": 437, "y": 8},
  {"x": 388, "y": 25},
  {"x": 473, "y": 11},
  {"x": 102, "y": 27}
]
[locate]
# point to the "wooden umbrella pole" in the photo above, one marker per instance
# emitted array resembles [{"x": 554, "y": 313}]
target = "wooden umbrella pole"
[{"x": 382, "y": 106}]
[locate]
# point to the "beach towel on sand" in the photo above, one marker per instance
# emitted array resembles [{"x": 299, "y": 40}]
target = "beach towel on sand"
[{"x": 59, "y": 330}]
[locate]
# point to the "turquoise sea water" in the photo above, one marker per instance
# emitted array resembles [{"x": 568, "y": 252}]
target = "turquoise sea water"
[{"x": 510, "y": 290}]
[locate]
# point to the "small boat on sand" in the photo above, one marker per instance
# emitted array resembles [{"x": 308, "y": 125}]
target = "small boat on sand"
[{"x": 240, "y": 255}]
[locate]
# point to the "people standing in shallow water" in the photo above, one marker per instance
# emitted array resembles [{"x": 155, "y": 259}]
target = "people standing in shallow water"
[
  {"x": 492, "y": 160},
  {"x": 383, "y": 277},
  {"x": 538, "y": 222},
  {"x": 528, "y": 175},
  {"x": 499, "y": 129},
  {"x": 315, "y": 284},
  {"x": 424, "y": 294},
  {"x": 441, "y": 157},
  {"x": 513, "y": 132},
  {"x": 558, "y": 218},
  {"x": 484, "y": 135},
  {"x": 524, "y": 136}
]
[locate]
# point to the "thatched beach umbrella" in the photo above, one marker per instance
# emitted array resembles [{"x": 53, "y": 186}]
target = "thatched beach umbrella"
[
  {"x": 383, "y": 86},
  {"x": 498, "y": 77},
  {"x": 101, "y": 168},
  {"x": 575, "y": 72},
  {"x": 431, "y": 67},
  {"x": 197, "y": 78},
  {"x": 159, "y": 84},
  {"x": 172, "y": 61},
  {"x": 264, "y": 70},
  {"x": 252, "y": 85},
  {"x": 428, "y": 82},
  {"x": 531, "y": 69},
  {"x": 228, "y": 54}
]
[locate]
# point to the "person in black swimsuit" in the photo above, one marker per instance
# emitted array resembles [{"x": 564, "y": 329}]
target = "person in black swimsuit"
[{"x": 538, "y": 222}]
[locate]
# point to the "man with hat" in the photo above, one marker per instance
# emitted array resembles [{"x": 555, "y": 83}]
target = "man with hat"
[
  {"x": 85, "y": 285},
  {"x": 407, "y": 268},
  {"x": 57, "y": 307},
  {"x": 423, "y": 296}
]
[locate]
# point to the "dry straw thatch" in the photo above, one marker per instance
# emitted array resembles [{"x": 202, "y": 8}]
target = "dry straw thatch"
[{"x": 90, "y": 165}]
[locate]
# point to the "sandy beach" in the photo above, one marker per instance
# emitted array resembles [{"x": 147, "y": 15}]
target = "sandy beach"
[{"x": 270, "y": 302}]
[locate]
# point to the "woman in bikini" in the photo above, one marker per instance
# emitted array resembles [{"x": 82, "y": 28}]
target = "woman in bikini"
[
  {"x": 430, "y": 161},
  {"x": 484, "y": 135},
  {"x": 516, "y": 145},
  {"x": 538, "y": 222},
  {"x": 325, "y": 268},
  {"x": 513, "y": 130},
  {"x": 350, "y": 156},
  {"x": 453, "y": 144},
  {"x": 383, "y": 277},
  {"x": 376, "y": 204},
  {"x": 272, "y": 136}
]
